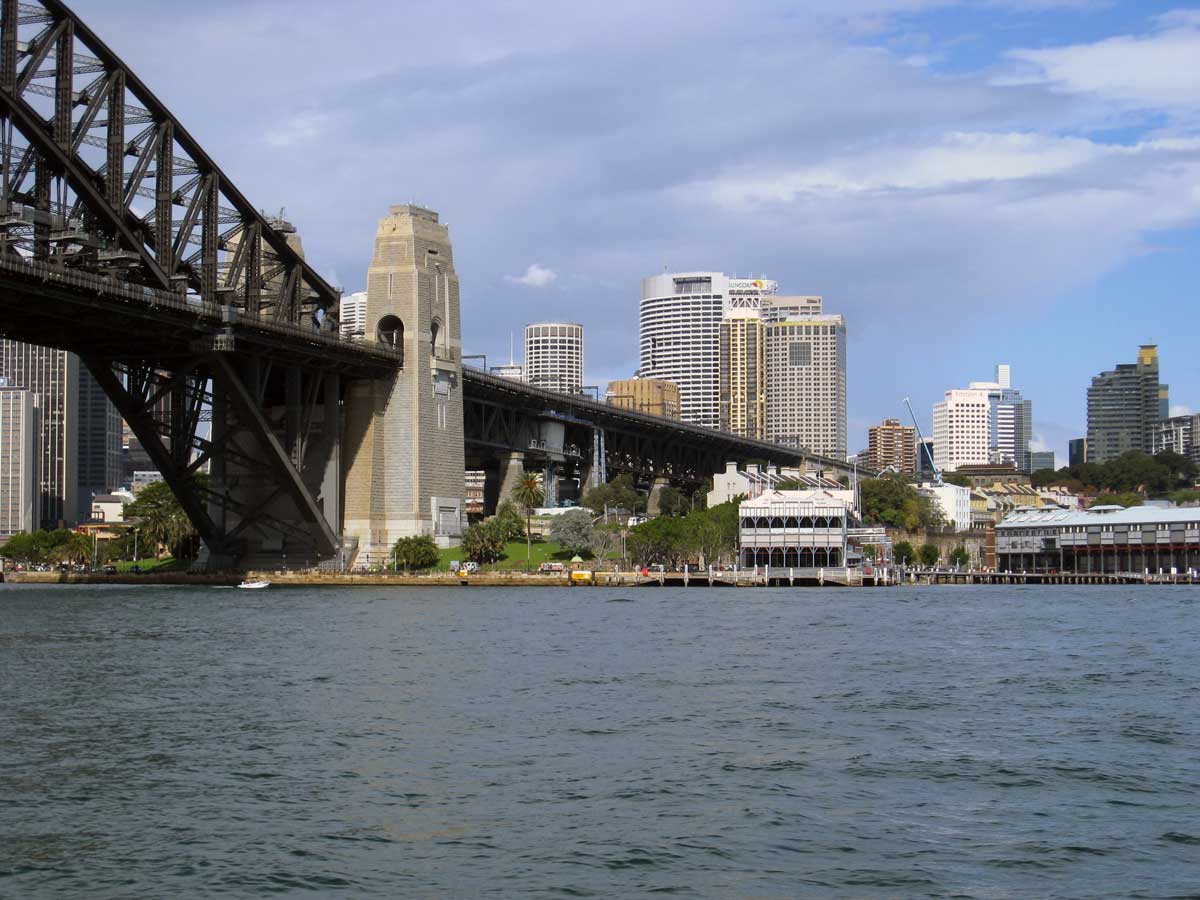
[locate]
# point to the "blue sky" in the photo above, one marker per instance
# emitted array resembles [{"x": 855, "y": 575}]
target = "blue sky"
[{"x": 968, "y": 182}]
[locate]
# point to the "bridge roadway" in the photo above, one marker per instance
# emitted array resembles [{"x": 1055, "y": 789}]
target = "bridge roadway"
[{"x": 507, "y": 421}]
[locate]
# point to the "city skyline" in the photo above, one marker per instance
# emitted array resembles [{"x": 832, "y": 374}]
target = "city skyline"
[{"x": 920, "y": 151}]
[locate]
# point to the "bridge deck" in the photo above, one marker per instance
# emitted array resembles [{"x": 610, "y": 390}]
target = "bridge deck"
[
  {"x": 575, "y": 407},
  {"x": 92, "y": 314}
]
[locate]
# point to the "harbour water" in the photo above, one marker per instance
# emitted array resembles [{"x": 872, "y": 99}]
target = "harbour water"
[{"x": 981, "y": 742}]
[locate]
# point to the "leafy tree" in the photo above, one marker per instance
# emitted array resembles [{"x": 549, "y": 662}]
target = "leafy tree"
[
  {"x": 903, "y": 553},
  {"x": 416, "y": 553},
  {"x": 1126, "y": 499},
  {"x": 959, "y": 556},
  {"x": 41, "y": 547},
  {"x": 672, "y": 502},
  {"x": 929, "y": 554},
  {"x": 620, "y": 493},
  {"x": 704, "y": 536},
  {"x": 483, "y": 542},
  {"x": 573, "y": 530},
  {"x": 510, "y": 521},
  {"x": 604, "y": 539},
  {"x": 893, "y": 501},
  {"x": 161, "y": 521},
  {"x": 1182, "y": 497},
  {"x": 1131, "y": 472},
  {"x": 660, "y": 540},
  {"x": 528, "y": 494}
]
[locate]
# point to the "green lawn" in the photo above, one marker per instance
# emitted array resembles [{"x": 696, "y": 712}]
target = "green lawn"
[
  {"x": 514, "y": 556},
  {"x": 166, "y": 564}
]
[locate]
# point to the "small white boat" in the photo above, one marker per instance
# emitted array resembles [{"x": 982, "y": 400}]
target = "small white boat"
[{"x": 254, "y": 585}]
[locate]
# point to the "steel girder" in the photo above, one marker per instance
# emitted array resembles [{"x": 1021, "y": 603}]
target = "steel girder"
[
  {"x": 260, "y": 427},
  {"x": 98, "y": 176}
]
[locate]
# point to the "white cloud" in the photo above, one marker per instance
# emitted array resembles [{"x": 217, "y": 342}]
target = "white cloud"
[
  {"x": 948, "y": 164},
  {"x": 535, "y": 276},
  {"x": 1159, "y": 70},
  {"x": 1181, "y": 409}
]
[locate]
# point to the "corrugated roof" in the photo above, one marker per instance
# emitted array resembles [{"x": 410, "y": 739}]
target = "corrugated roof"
[{"x": 1134, "y": 515}]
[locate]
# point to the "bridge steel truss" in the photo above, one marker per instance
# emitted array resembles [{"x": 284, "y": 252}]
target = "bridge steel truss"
[
  {"x": 503, "y": 417},
  {"x": 121, "y": 240}
]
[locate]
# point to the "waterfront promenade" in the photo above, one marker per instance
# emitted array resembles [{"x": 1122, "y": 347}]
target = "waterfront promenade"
[{"x": 745, "y": 578}]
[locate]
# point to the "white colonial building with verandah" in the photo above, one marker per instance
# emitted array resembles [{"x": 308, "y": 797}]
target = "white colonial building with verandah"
[{"x": 794, "y": 529}]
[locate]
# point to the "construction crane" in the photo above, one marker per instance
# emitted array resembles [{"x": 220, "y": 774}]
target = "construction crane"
[{"x": 937, "y": 473}]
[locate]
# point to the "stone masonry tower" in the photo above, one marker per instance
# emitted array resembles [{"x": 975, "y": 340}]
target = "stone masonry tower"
[{"x": 404, "y": 438}]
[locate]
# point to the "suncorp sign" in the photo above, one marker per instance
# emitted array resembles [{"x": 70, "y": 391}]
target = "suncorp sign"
[{"x": 752, "y": 286}]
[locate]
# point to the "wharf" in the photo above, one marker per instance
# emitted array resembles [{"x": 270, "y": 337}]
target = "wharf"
[{"x": 952, "y": 576}]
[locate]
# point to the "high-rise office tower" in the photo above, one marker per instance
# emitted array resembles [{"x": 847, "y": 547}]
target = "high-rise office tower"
[
  {"x": 1125, "y": 406},
  {"x": 988, "y": 422},
  {"x": 743, "y": 388},
  {"x": 100, "y": 444},
  {"x": 20, "y": 439},
  {"x": 53, "y": 375},
  {"x": 892, "y": 446},
  {"x": 554, "y": 356},
  {"x": 806, "y": 383},
  {"x": 352, "y": 315},
  {"x": 679, "y": 337}
]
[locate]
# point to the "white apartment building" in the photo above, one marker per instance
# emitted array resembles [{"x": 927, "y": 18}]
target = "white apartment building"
[
  {"x": 554, "y": 356},
  {"x": 986, "y": 423},
  {"x": 352, "y": 315},
  {"x": 20, "y": 440},
  {"x": 954, "y": 502}
]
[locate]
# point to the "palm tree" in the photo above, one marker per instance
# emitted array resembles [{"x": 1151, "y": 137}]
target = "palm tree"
[{"x": 529, "y": 494}]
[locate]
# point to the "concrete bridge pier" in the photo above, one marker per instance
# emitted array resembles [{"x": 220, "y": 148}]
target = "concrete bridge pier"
[
  {"x": 653, "y": 501},
  {"x": 508, "y": 476}
]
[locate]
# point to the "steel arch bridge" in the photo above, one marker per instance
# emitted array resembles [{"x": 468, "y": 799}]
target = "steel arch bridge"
[{"x": 123, "y": 241}]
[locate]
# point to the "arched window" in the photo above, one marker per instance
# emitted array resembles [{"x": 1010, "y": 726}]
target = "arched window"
[
  {"x": 835, "y": 522},
  {"x": 835, "y": 557},
  {"x": 748, "y": 556},
  {"x": 791, "y": 522},
  {"x": 776, "y": 522},
  {"x": 435, "y": 328},
  {"x": 747, "y": 522},
  {"x": 763, "y": 557},
  {"x": 390, "y": 331},
  {"x": 762, "y": 523},
  {"x": 777, "y": 557},
  {"x": 821, "y": 522},
  {"x": 806, "y": 522},
  {"x": 791, "y": 559},
  {"x": 806, "y": 558}
]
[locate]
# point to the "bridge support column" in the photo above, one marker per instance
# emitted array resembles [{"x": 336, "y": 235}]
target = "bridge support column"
[
  {"x": 512, "y": 467},
  {"x": 404, "y": 437},
  {"x": 653, "y": 502}
]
